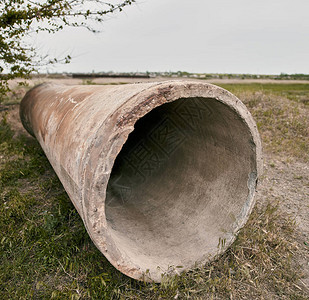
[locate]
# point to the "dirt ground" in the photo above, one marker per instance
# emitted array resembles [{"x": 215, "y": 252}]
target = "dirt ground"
[{"x": 285, "y": 179}]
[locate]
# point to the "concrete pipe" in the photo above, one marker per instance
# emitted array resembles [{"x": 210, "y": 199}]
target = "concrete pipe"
[{"x": 162, "y": 174}]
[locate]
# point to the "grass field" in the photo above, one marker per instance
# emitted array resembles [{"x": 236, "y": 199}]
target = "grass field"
[{"x": 45, "y": 251}]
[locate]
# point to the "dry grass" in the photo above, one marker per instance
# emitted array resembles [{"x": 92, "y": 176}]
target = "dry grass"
[{"x": 283, "y": 124}]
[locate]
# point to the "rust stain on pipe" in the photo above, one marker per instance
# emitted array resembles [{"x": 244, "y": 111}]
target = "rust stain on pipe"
[{"x": 159, "y": 172}]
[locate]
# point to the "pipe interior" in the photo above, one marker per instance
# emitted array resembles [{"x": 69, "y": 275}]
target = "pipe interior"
[{"x": 180, "y": 183}]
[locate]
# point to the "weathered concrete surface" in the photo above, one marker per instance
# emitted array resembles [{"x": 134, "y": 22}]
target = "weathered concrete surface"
[{"x": 159, "y": 172}]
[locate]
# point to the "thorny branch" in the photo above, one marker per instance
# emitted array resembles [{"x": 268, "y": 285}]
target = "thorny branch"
[{"x": 20, "y": 18}]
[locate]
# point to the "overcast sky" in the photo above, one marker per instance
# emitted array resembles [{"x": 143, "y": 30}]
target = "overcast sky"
[{"x": 218, "y": 36}]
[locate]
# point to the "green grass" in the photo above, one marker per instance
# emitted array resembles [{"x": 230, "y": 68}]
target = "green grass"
[
  {"x": 298, "y": 92},
  {"x": 45, "y": 251}
]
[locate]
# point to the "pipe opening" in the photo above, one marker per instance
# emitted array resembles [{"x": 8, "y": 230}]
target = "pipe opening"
[{"x": 180, "y": 183}]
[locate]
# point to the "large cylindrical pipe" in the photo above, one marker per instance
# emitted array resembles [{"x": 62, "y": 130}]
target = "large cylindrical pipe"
[{"x": 162, "y": 174}]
